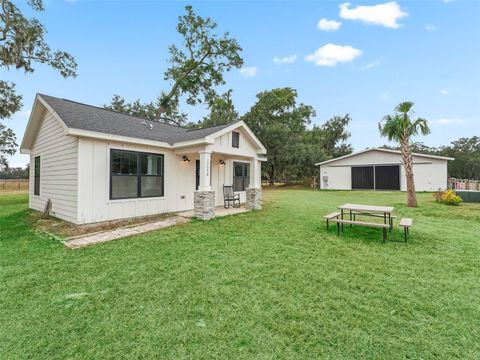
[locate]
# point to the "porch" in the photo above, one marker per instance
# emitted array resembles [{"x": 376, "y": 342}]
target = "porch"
[{"x": 215, "y": 167}]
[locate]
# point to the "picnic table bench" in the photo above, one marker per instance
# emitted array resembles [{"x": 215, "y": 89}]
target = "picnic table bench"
[
  {"x": 406, "y": 223},
  {"x": 353, "y": 210}
]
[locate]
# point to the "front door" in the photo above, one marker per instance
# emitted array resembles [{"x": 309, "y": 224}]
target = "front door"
[{"x": 197, "y": 174}]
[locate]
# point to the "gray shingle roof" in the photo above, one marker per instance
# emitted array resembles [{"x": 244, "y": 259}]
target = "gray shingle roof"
[{"x": 87, "y": 117}]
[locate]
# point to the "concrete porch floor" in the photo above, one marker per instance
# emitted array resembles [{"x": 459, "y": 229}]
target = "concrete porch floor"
[{"x": 220, "y": 211}]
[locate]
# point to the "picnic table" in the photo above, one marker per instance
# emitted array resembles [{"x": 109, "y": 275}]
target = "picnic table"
[{"x": 368, "y": 210}]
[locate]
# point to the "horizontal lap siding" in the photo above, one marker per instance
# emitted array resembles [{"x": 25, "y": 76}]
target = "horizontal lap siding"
[{"x": 59, "y": 170}]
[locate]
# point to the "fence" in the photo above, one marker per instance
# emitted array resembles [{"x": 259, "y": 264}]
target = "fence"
[
  {"x": 463, "y": 184},
  {"x": 13, "y": 184}
]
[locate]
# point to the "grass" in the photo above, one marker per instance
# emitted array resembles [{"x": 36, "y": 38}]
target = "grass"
[{"x": 272, "y": 284}]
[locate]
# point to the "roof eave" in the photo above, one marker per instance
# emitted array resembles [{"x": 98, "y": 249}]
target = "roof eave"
[{"x": 383, "y": 150}]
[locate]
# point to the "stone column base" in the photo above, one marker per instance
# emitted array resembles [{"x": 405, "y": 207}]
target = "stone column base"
[
  {"x": 254, "y": 198},
  {"x": 204, "y": 204}
]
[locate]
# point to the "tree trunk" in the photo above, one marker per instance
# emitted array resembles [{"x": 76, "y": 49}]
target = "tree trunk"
[
  {"x": 272, "y": 174},
  {"x": 408, "y": 166}
]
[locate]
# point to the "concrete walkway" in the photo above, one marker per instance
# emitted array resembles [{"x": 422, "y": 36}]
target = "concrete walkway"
[{"x": 110, "y": 235}]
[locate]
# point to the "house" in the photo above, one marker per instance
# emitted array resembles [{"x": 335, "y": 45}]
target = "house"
[
  {"x": 98, "y": 165},
  {"x": 382, "y": 169}
]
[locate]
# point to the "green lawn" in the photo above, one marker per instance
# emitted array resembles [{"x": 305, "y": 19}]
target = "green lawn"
[{"x": 272, "y": 284}]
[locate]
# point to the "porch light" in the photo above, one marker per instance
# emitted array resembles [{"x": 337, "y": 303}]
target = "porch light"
[
  {"x": 222, "y": 162},
  {"x": 185, "y": 159}
]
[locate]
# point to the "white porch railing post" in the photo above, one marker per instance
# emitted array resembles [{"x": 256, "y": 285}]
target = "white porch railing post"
[
  {"x": 205, "y": 171},
  {"x": 255, "y": 173},
  {"x": 204, "y": 197},
  {"x": 254, "y": 191}
]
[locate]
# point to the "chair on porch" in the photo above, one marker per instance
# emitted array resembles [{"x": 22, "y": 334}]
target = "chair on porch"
[{"x": 230, "y": 197}]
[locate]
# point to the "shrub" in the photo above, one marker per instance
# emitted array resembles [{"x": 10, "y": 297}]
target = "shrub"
[{"x": 448, "y": 197}]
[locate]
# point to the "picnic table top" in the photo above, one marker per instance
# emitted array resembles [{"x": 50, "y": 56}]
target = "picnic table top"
[{"x": 367, "y": 208}]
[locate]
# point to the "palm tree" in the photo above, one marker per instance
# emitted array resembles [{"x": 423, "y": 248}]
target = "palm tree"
[{"x": 400, "y": 128}]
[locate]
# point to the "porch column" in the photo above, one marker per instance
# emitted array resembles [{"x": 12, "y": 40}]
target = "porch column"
[
  {"x": 205, "y": 165},
  {"x": 254, "y": 191},
  {"x": 204, "y": 197}
]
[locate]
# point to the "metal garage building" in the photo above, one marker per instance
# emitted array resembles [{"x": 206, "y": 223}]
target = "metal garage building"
[{"x": 382, "y": 169}]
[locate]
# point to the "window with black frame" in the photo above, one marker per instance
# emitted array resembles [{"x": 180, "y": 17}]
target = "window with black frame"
[
  {"x": 151, "y": 175},
  {"x": 241, "y": 176},
  {"x": 135, "y": 174},
  {"x": 36, "y": 179}
]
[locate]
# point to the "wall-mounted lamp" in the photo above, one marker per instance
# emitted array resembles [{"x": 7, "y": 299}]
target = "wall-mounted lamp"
[
  {"x": 222, "y": 162},
  {"x": 185, "y": 159}
]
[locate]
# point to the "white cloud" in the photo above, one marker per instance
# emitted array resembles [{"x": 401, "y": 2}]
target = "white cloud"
[
  {"x": 248, "y": 71},
  {"x": 331, "y": 55},
  {"x": 444, "y": 92},
  {"x": 382, "y": 14},
  {"x": 372, "y": 64},
  {"x": 430, "y": 27},
  {"x": 328, "y": 25},
  {"x": 383, "y": 96},
  {"x": 447, "y": 121},
  {"x": 447, "y": 1},
  {"x": 285, "y": 59}
]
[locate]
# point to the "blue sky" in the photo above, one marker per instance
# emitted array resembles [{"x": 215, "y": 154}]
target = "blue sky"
[{"x": 363, "y": 58}]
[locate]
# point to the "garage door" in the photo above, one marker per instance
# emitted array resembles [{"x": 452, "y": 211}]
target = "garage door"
[
  {"x": 387, "y": 177},
  {"x": 362, "y": 177}
]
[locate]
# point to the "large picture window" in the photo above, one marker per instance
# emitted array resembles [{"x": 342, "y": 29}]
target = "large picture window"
[
  {"x": 135, "y": 174},
  {"x": 241, "y": 176},
  {"x": 36, "y": 179}
]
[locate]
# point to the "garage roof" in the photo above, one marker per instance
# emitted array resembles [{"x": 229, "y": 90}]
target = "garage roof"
[{"x": 384, "y": 150}]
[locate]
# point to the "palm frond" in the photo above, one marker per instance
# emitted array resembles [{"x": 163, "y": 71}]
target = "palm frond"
[
  {"x": 404, "y": 107},
  {"x": 422, "y": 125}
]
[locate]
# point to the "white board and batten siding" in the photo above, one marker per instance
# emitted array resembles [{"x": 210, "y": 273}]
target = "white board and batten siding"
[
  {"x": 58, "y": 169},
  {"x": 430, "y": 174},
  {"x": 94, "y": 203}
]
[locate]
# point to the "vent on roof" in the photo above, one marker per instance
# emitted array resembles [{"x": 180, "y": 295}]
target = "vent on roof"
[{"x": 147, "y": 125}]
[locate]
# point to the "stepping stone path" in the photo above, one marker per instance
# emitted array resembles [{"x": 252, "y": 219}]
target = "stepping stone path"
[{"x": 114, "y": 234}]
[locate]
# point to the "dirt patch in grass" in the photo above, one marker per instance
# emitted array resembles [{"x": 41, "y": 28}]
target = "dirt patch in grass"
[{"x": 64, "y": 229}]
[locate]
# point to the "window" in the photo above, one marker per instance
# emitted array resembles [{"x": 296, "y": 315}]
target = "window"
[
  {"x": 241, "y": 176},
  {"x": 134, "y": 174},
  {"x": 36, "y": 179},
  {"x": 235, "y": 139},
  {"x": 151, "y": 175}
]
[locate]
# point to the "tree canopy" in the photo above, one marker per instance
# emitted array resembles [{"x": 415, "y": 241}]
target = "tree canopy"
[
  {"x": 281, "y": 124},
  {"x": 197, "y": 68},
  {"x": 22, "y": 45}
]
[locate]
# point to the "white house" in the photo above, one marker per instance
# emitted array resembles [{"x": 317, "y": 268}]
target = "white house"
[
  {"x": 382, "y": 169},
  {"x": 98, "y": 165}
]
